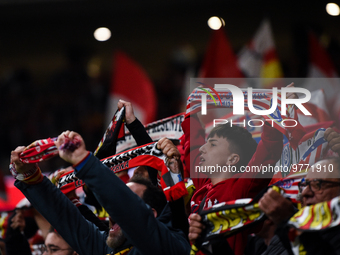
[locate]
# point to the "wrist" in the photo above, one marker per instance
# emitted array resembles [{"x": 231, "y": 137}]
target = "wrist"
[
  {"x": 77, "y": 160},
  {"x": 32, "y": 176},
  {"x": 22, "y": 175},
  {"x": 82, "y": 162}
]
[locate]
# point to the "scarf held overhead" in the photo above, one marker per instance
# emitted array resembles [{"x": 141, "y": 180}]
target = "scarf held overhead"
[
  {"x": 229, "y": 218},
  {"x": 261, "y": 100},
  {"x": 113, "y": 134},
  {"x": 147, "y": 155},
  {"x": 169, "y": 127}
]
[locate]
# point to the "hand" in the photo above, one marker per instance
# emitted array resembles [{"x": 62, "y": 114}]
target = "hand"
[
  {"x": 291, "y": 95},
  {"x": 18, "y": 221},
  {"x": 129, "y": 114},
  {"x": 60, "y": 173},
  {"x": 195, "y": 227},
  {"x": 276, "y": 207},
  {"x": 333, "y": 139},
  {"x": 73, "y": 157},
  {"x": 19, "y": 165},
  {"x": 168, "y": 148}
]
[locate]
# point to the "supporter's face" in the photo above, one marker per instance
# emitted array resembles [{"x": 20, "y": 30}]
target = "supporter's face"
[
  {"x": 116, "y": 237},
  {"x": 55, "y": 244},
  {"x": 327, "y": 191},
  {"x": 215, "y": 151},
  {"x": 173, "y": 165}
]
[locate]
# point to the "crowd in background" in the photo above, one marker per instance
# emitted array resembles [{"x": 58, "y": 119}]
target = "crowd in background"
[{"x": 73, "y": 100}]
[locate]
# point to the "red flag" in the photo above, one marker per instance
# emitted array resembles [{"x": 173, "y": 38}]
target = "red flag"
[
  {"x": 321, "y": 63},
  {"x": 220, "y": 60},
  {"x": 317, "y": 107},
  {"x": 321, "y": 66},
  {"x": 258, "y": 58},
  {"x": 130, "y": 83},
  {"x": 14, "y": 196}
]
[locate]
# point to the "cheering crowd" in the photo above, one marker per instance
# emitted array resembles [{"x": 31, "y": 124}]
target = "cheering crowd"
[{"x": 147, "y": 201}]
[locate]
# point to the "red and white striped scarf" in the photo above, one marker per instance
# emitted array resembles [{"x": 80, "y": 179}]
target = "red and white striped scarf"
[
  {"x": 169, "y": 127},
  {"x": 261, "y": 101},
  {"x": 147, "y": 155}
]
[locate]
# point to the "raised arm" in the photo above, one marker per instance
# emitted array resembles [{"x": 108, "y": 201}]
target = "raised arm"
[
  {"x": 127, "y": 209},
  {"x": 135, "y": 127}
]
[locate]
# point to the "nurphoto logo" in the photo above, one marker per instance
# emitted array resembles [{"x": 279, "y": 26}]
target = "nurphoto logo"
[{"x": 238, "y": 103}]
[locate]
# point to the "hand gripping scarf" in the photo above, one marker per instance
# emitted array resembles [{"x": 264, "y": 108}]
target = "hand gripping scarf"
[
  {"x": 39, "y": 150},
  {"x": 146, "y": 155},
  {"x": 228, "y": 218},
  {"x": 312, "y": 148},
  {"x": 114, "y": 133},
  {"x": 262, "y": 100},
  {"x": 169, "y": 127},
  {"x": 45, "y": 149}
]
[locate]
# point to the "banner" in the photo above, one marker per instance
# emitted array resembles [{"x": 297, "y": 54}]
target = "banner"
[
  {"x": 219, "y": 60},
  {"x": 318, "y": 216},
  {"x": 228, "y": 218},
  {"x": 296, "y": 162},
  {"x": 148, "y": 155},
  {"x": 259, "y": 59},
  {"x": 113, "y": 134},
  {"x": 261, "y": 100},
  {"x": 168, "y": 127},
  {"x": 131, "y": 83}
]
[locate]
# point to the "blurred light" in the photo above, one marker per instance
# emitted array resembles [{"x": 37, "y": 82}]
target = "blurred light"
[
  {"x": 215, "y": 23},
  {"x": 223, "y": 23},
  {"x": 102, "y": 34},
  {"x": 332, "y": 9}
]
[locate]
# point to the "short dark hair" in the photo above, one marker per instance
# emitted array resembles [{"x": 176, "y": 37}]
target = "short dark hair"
[
  {"x": 240, "y": 140},
  {"x": 153, "y": 196}
]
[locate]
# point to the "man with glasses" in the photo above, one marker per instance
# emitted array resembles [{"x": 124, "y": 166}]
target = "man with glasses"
[
  {"x": 322, "y": 182},
  {"x": 55, "y": 244}
]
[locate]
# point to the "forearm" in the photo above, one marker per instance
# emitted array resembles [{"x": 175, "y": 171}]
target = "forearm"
[
  {"x": 138, "y": 132},
  {"x": 90, "y": 216}
]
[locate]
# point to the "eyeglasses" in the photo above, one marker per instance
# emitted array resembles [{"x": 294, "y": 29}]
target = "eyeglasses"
[
  {"x": 315, "y": 185},
  {"x": 51, "y": 249}
]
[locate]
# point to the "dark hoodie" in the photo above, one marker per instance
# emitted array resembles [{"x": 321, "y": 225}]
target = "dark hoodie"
[{"x": 147, "y": 234}]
